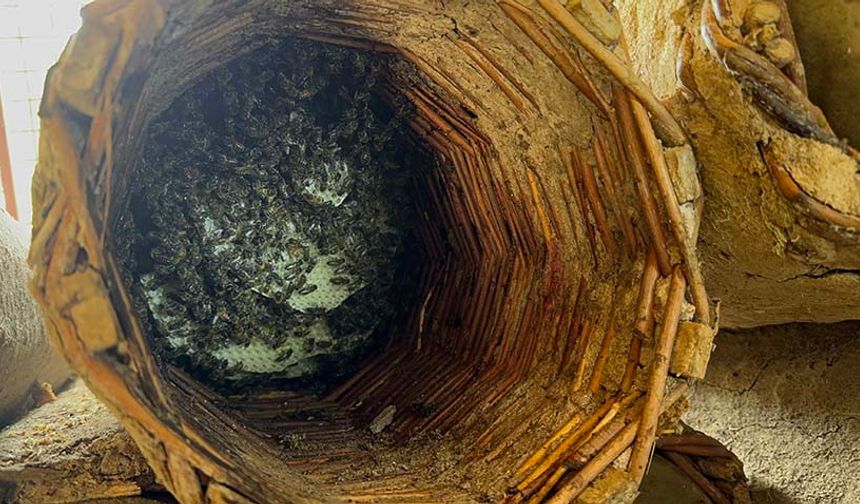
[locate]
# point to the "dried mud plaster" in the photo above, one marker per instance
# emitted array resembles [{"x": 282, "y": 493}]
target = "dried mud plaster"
[
  {"x": 762, "y": 255},
  {"x": 26, "y": 356}
]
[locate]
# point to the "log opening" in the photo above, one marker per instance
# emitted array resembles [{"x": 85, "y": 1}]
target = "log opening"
[{"x": 527, "y": 318}]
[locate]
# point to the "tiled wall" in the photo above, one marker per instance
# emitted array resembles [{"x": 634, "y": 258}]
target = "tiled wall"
[{"x": 33, "y": 33}]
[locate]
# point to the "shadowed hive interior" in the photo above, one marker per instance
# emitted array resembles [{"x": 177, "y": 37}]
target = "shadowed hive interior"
[
  {"x": 269, "y": 233},
  {"x": 520, "y": 361}
]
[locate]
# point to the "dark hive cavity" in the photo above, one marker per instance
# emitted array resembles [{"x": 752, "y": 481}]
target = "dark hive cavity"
[{"x": 269, "y": 238}]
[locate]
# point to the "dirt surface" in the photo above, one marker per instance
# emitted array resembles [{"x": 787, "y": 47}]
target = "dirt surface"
[
  {"x": 786, "y": 400},
  {"x": 67, "y": 450}
]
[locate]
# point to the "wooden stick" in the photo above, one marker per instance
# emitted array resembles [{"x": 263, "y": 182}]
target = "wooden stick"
[
  {"x": 690, "y": 438},
  {"x": 485, "y": 437},
  {"x": 504, "y": 71},
  {"x": 541, "y": 452},
  {"x": 637, "y": 162},
  {"x": 645, "y": 302},
  {"x": 668, "y": 128},
  {"x": 608, "y": 453},
  {"x": 555, "y": 222},
  {"x": 358, "y": 43},
  {"x": 453, "y": 116},
  {"x": 595, "y": 466},
  {"x": 644, "y": 317},
  {"x": 599, "y": 428},
  {"x": 550, "y": 44},
  {"x": 493, "y": 73},
  {"x": 548, "y": 485},
  {"x": 6, "y": 170},
  {"x": 565, "y": 447},
  {"x": 631, "y": 414},
  {"x": 549, "y": 236},
  {"x": 437, "y": 120},
  {"x": 579, "y": 305},
  {"x": 602, "y": 356},
  {"x": 596, "y": 442},
  {"x": 657, "y": 382},
  {"x": 632, "y": 363},
  {"x": 437, "y": 76},
  {"x": 581, "y": 351},
  {"x": 700, "y": 450},
  {"x": 670, "y": 202},
  {"x": 593, "y": 197},
  {"x": 698, "y": 478},
  {"x": 573, "y": 181},
  {"x": 487, "y": 210},
  {"x": 612, "y": 184}
]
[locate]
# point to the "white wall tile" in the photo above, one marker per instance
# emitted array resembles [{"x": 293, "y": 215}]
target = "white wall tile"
[{"x": 33, "y": 33}]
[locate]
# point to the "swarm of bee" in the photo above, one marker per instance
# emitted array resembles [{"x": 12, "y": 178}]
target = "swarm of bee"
[{"x": 268, "y": 236}]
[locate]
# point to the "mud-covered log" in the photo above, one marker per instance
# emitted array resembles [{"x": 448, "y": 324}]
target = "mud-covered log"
[
  {"x": 780, "y": 236},
  {"x": 218, "y": 180},
  {"x": 549, "y": 222},
  {"x": 26, "y": 357},
  {"x": 70, "y": 450}
]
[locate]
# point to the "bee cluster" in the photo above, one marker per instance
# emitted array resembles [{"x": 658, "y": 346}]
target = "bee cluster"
[{"x": 269, "y": 233}]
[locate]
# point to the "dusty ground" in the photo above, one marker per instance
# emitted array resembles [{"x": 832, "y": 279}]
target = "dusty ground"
[{"x": 786, "y": 400}]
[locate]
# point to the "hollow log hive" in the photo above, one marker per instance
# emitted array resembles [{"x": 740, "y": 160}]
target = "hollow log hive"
[{"x": 561, "y": 265}]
